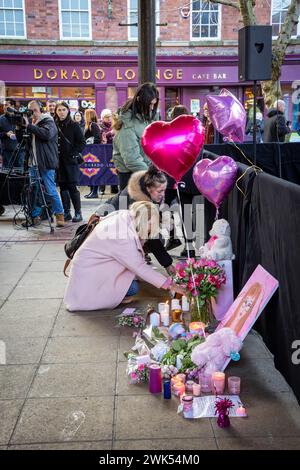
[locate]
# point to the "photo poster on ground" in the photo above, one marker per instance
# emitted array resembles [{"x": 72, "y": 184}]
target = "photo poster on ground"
[{"x": 249, "y": 304}]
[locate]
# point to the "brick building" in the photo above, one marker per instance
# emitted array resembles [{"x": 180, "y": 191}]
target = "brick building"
[{"x": 77, "y": 50}]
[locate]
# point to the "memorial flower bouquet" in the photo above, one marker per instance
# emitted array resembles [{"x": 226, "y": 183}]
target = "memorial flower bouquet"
[
  {"x": 138, "y": 374},
  {"x": 133, "y": 320},
  {"x": 202, "y": 279}
]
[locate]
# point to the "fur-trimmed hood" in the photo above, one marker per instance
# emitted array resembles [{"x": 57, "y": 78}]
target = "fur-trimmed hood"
[{"x": 135, "y": 191}]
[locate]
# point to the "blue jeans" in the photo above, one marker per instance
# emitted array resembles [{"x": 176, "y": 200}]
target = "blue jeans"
[
  {"x": 133, "y": 289},
  {"x": 51, "y": 193}
]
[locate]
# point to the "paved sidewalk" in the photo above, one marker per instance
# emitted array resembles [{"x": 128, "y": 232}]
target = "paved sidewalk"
[{"x": 64, "y": 385}]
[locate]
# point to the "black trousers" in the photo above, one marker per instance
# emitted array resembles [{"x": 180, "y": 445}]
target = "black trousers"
[
  {"x": 123, "y": 180},
  {"x": 69, "y": 192}
]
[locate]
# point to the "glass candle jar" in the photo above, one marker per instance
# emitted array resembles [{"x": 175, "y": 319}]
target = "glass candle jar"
[
  {"x": 205, "y": 383},
  {"x": 234, "y": 385}
]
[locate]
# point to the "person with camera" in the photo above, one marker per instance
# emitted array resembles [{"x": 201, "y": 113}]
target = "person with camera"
[
  {"x": 42, "y": 158},
  {"x": 8, "y": 136},
  {"x": 70, "y": 143}
]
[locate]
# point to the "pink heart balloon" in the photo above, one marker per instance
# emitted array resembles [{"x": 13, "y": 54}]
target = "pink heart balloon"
[
  {"x": 215, "y": 178},
  {"x": 227, "y": 115},
  {"x": 174, "y": 147}
]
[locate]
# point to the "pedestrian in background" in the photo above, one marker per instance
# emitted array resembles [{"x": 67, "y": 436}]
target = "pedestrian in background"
[
  {"x": 107, "y": 135},
  {"x": 70, "y": 145},
  {"x": 92, "y": 135},
  {"x": 78, "y": 117},
  {"x": 8, "y": 136},
  {"x": 275, "y": 128},
  {"x": 137, "y": 113}
]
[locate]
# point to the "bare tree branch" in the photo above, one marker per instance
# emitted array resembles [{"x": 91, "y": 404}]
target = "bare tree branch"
[
  {"x": 271, "y": 87},
  {"x": 247, "y": 12},
  {"x": 227, "y": 3}
]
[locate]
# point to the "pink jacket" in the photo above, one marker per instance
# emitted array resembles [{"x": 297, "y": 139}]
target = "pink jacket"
[{"x": 106, "y": 264}]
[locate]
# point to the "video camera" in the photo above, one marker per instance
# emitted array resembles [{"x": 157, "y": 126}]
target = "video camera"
[{"x": 18, "y": 115}]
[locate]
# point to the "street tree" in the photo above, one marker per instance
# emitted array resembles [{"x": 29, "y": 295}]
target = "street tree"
[{"x": 271, "y": 89}]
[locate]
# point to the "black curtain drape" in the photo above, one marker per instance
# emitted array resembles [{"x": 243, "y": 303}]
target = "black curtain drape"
[
  {"x": 269, "y": 157},
  {"x": 265, "y": 229}
]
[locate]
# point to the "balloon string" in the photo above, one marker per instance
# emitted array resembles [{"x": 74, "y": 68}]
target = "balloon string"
[
  {"x": 188, "y": 252},
  {"x": 217, "y": 214},
  {"x": 253, "y": 167}
]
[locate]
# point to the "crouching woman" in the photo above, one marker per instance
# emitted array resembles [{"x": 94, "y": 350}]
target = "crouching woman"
[{"x": 104, "y": 268}]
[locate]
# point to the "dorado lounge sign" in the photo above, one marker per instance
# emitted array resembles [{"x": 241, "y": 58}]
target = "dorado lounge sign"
[{"x": 75, "y": 74}]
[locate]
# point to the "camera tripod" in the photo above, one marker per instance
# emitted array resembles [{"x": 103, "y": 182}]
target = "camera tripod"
[{"x": 35, "y": 182}]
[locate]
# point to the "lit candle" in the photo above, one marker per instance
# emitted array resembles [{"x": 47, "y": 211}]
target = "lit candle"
[
  {"x": 234, "y": 385},
  {"x": 178, "y": 389},
  {"x": 241, "y": 411},
  {"x": 196, "y": 327},
  {"x": 218, "y": 382},
  {"x": 185, "y": 304},
  {"x": 196, "y": 390},
  {"x": 181, "y": 377},
  {"x": 175, "y": 380},
  {"x": 165, "y": 314}
]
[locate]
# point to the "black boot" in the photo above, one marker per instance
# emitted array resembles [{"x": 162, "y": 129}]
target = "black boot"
[
  {"x": 93, "y": 194},
  {"x": 91, "y": 190},
  {"x": 66, "y": 202},
  {"x": 77, "y": 206}
]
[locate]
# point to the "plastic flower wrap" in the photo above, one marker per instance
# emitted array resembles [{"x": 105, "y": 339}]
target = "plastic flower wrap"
[
  {"x": 202, "y": 279},
  {"x": 208, "y": 277},
  {"x": 159, "y": 350},
  {"x": 136, "y": 373}
]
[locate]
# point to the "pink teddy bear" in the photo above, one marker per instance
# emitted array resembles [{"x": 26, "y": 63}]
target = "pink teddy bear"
[{"x": 217, "y": 348}]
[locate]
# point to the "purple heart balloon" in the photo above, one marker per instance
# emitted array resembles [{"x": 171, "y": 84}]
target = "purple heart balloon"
[
  {"x": 227, "y": 115},
  {"x": 215, "y": 178}
]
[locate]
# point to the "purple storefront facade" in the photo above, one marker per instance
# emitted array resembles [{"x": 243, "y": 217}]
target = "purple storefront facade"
[{"x": 107, "y": 81}]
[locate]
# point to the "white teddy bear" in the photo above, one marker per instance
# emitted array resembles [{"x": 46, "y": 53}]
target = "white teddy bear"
[
  {"x": 219, "y": 246},
  {"x": 217, "y": 348}
]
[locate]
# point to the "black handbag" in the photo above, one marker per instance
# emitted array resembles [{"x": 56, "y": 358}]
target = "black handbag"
[
  {"x": 80, "y": 236},
  {"x": 78, "y": 156}
]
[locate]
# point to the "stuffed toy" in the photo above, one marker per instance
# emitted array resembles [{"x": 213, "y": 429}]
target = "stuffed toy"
[
  {"x": 217, "y": 348},
  {"x": 219, "y": 245}
]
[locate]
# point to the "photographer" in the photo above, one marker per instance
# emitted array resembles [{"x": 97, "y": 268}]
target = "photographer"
[
  {"x": 8, "y": 136},
  {"x": 70, "y": 143},
  {"x": 43, "y": 158}
]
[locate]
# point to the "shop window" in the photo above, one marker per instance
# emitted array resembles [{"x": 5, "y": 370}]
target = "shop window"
[
  {"x": 172, "y": 99},
  {"x": 14, "y": 92},
  {"x": 52, "y": 92},
  {"x": 205, "y": 20},
  {"x": 133, "y": 18},
  {"x": 41, "y": 92},
  {"x": 89, "y": 92},
  {"x": 278, "y": 15},
  {"x": 12, "y": 19},
  {"x": 75, "y": 19},
  {"x": 71, "y": 92}
]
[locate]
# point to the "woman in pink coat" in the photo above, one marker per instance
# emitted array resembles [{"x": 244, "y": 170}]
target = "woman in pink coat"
[{"x": 104, "y": 268}]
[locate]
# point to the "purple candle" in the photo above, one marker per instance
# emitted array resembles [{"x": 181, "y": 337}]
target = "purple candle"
[{"x": 155, "y": 379}]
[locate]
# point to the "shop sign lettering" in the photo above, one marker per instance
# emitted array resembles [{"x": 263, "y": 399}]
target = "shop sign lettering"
[{"x": 100, "y": 74}]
